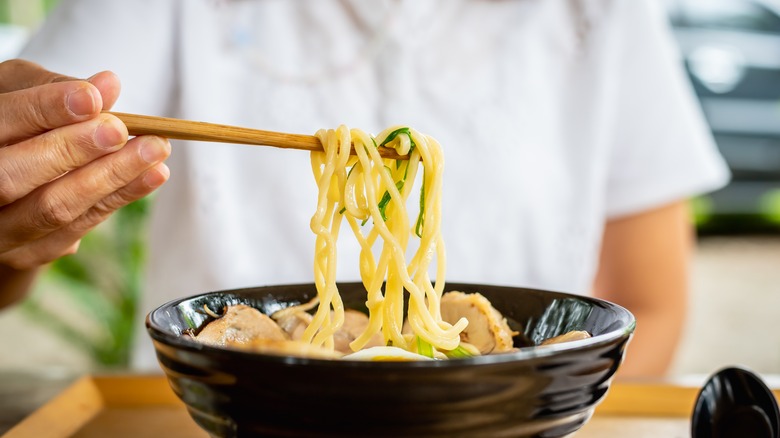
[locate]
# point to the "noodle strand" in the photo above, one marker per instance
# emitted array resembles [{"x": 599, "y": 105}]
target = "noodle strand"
[{"x": 376, "y": 190}]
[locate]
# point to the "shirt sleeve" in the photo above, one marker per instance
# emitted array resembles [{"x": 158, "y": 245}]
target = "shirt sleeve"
[
  {"x": 134, "y": 39},
  {"x": 661, "y": 147}
]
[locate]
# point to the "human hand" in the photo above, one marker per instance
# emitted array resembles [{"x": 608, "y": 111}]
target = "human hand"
[{"x": 64, "y": 166}]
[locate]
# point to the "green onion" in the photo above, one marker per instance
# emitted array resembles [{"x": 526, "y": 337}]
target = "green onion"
[
  {"x": 420, "y": 219},
  {"x": 386, "y": 200},
  {"x": 405, "y": 130},
  {"x": 458, "y": 353},
  {"x": 424, "y": 348}
]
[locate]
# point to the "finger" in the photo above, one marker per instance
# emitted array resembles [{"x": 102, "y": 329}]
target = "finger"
[
  {"x": 60, "y": 202},
  {"x": 18, "y": 74},
  {"x": 66, "y": 240},
  {"x": 33, "y": 111},
  {"x": 35, "y": 162},
  {"x": 109, "y": 86}
]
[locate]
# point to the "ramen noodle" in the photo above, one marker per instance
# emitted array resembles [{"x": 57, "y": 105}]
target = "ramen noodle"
[{"x": 371, "y": 194}]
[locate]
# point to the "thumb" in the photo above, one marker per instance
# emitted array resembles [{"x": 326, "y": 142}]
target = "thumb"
[{"x": 108, "y": 85}]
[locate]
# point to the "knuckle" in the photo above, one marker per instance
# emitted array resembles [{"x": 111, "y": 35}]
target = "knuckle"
[
  {"x": 8, "y": 187},
  {"x": 54, "y": 212},
  {"x": 50, "y": 141},
  {"x": 23, "y": 114},
  {"x": 112, "y": 176},
  {"x": 37, "y": 116},
  {"x": 72, "y": 146},
  {"x": 30, "y": 73},
  {"x": 102, "y": 210},
  {"x": 97, "y": 214},
  {"x": 9, "y": 65},
  {"x": 12, "y": 65}
]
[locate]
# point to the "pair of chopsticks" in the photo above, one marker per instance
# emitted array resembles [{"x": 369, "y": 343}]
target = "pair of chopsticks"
[{"x": 201, "y": 131}]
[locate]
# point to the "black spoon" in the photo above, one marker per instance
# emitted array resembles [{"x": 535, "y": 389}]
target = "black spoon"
[{"x": 735, "y": 403}]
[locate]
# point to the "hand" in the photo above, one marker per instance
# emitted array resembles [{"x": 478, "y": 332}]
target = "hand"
[{"x": 64, "y": 166}]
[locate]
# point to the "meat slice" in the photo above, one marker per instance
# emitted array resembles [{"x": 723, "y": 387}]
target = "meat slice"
[
  {"x": 240, "y": 324},
  {"x": 294, "y": 324},
  {"x": 355, "y": 322},
  {"x": 488, "y": 330}
]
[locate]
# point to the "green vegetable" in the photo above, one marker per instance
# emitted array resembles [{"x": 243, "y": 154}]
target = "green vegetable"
[
  {"x": 405, "y": 130},
  {"x": 420, "y": 218},
  {"x": 385, "y": 200},
  {"x": 424, "y": 348},
  {"x": 458, "y": 353}
]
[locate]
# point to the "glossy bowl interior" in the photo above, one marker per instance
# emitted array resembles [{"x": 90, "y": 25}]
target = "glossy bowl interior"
[{"x": 546, "y": 391}]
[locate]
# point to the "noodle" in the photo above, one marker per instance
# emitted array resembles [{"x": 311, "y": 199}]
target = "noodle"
[{"x": 376, "y": 190}]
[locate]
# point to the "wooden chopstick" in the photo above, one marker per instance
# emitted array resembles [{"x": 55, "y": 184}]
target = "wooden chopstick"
[{"x": 202, "y": 131}]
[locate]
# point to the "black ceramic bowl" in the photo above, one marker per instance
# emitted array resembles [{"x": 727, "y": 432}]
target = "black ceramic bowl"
[{"x": 547, "y": 391}]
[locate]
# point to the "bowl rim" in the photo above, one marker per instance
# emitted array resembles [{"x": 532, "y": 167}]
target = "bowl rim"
[{"x": 528, "y": 354}]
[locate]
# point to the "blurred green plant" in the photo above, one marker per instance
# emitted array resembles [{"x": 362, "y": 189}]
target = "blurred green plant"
[
  {"x": 91, "y": 298},
  {"x": 28, "y": 13},
  {"x": 770, "y": 206},
  {"x": 701, "y": 210},
  {"x": 762, "y": 218}
]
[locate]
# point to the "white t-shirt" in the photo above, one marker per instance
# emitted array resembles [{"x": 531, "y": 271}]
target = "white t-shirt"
[{"x": 554, "y": 116}]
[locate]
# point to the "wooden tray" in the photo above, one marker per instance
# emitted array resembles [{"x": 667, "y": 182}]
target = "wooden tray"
[
  {"x": 135, "y": 406},
  {"x": 116, "y": 407}
]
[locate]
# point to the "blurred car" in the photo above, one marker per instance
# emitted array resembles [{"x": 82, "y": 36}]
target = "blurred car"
[{"x": 731, "y": 50}]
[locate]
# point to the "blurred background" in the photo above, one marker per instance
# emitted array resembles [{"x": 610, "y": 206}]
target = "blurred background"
[{"x": 79, "y": 317}]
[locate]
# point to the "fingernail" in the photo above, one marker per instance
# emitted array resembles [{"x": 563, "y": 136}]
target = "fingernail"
[
  {"x": 157, "y": 176},
  {"x": 155, "y": 149},
  {"x": 109, "y": 134},
  {"x": 82, "y": 102}
]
